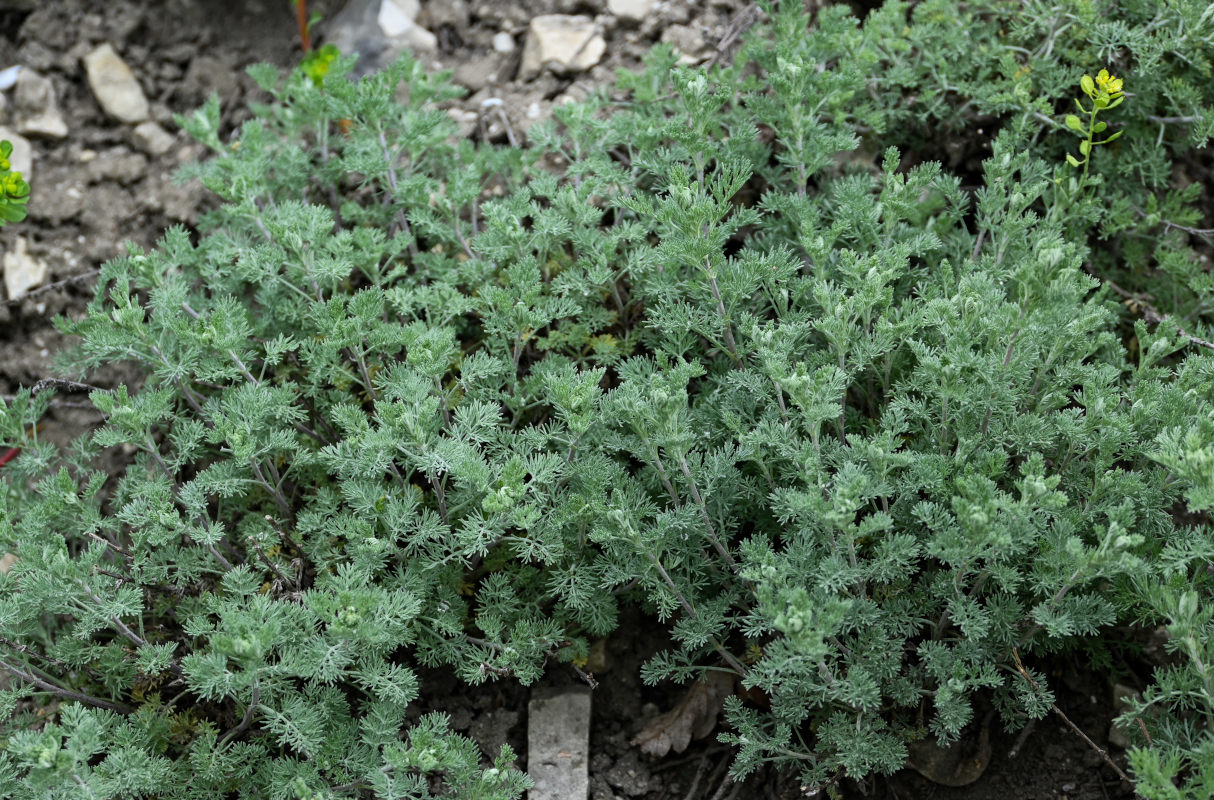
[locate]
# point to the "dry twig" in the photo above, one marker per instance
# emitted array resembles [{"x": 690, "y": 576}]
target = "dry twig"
[{"x": 1024, "y": 673}]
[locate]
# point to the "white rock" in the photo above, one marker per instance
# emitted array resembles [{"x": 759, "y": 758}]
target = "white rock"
[
  {"x": 419, "y": 41},
  {"x": 22, "y": 271},
  {"x": 114, "y": 85},
  {"x": 8, "y": 77},
  {"x": 630, "y": 10},
  {"x": 38, "y": 107},
  {"x": 561, "y": 43},
  {"x": 396, "y": 16},
  {"x": 153, "y": 139},
  {"x": 22, "y": 158},
  {"x": 503, "y": 42},
  {"x": 6, "y": 563}
]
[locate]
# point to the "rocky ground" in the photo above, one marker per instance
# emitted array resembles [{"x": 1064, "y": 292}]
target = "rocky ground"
[{"x": 89, "y": 99}]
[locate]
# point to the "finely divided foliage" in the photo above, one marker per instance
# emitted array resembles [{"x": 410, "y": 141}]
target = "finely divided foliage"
[{"x": 729, "y": 346}]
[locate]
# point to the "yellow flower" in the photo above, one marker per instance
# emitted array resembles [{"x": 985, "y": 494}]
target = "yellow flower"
[{"x": 1108, "y": 83}]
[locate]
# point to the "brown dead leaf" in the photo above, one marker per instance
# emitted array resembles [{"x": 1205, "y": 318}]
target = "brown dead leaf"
[{"x": 693, "y": 718}]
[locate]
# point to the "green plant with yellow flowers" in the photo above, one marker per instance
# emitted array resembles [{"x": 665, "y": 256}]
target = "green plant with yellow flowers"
[
  {"x": 1105, "y": 94},
  {"x": 14, "y": 191},
  {"x": 730, "y": 348}
]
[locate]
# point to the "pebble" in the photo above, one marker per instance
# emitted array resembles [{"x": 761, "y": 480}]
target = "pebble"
[
  {"x": 153, "y": 139},
  {"x": 38, "y": 107},
  {"x": 630, "y": 10},
  {"x": 22, "y": 271},
  {"x": 503, "y": 42},
  {"x": 117, "y": 164},
  {"x": 6, "y": 563},
  {"x": 448, "y": 12},
  {"x": 419, "y": 41},
  {"x": 478, "y": 73},
  {"x": 465, "y": 121},
  {"x": 8, "y": 77},
  {"x": 561, "y": 43},
  {"x": 114, "y": 85},
  {"x": 397, "y": 16},
  {"x": 688, "y": 41},
  {"x": 22, "y": 157},
  {"x": 1123, "y": 696}
]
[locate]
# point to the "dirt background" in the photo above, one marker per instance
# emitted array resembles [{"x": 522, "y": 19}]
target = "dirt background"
[{"x": 95, "y": 190}]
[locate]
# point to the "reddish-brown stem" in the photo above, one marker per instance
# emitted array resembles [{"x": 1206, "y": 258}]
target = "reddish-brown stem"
[{"x": 301, "y": 18}]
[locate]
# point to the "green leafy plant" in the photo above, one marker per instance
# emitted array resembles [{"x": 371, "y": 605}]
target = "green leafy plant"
[
  {"x": 724, "y": 346},
  {"x": 1105, "y": 94},
  {"x": 14, "y": 191}
]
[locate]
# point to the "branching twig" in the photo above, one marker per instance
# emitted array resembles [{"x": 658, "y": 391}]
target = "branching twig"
[
  {"x": 118, "y": 623},
  {"x": 67, "y": 386},
  {"x": 1024, "y": 673},
  {"x": 1149, "y": 313},
  {"x": 59, "y": 691},
  {"x": 248, "y": 717},
  {"x": 50, "y": 287},
  {"x": 273, "y": 567},
  {"x": 742, "y": 22}
]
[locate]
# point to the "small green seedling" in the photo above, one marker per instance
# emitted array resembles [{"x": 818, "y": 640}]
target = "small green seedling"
[
  {"x": 1105, "y": 93},
  {"x": 14, "y": 191}
]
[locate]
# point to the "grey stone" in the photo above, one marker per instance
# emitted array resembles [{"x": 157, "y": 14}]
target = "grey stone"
[
  {"x": 207, "y": 75},
  {"x": 22, "y": 271},
  {"x": 558, "y": 743},
  {"x": 561, "y": 43},
  {"x": 479, "y": 72},
  {"x": 362, "y": 27},
  {"x": 1122, "y": 697},
  {"x": 447, "y": 12},
  {"x": 629, "y": 775},
  {"x": 37, "y": 106},
  {"x": 153, "y": 139},
  {"x": 114, "y": 85},
  {"x": 688, "y": 41},
  {"x": 117, "y": 164}
]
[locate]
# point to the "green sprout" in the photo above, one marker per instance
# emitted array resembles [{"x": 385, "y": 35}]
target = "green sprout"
[
  {"x": 14, "y": 191},
  {"x": 316, "y": 63},
  {"x": 1105, "y": 93}
]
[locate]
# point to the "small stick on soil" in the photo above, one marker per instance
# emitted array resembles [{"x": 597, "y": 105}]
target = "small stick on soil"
[
  {"x": 695, "y": 784},
  {"x": 743, "y": 21},
  {"x": 50, "y": 287},
  {"x": 1054, "y": 707},
  {"x": 1022, "y": 738},
  {"x": 586, "y": 676},
  {"x": 716, "y": 773},
  {"x": 725, "y": 784},
  {"x": 67, "y": 386},
  {"x": 678, "y": 762}
]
